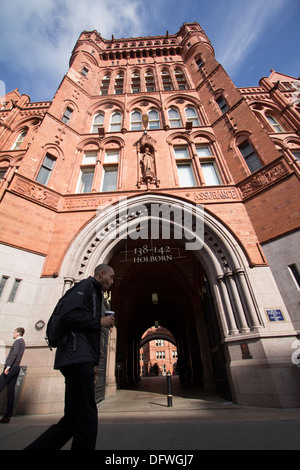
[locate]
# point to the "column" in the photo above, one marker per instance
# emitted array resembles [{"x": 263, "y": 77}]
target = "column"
[
  {"x": 240, "y": 273},
  {"x": 232, "y": 327},
  {"x": 243, "y": 326},
  {"x": 110, "y": 379},
  {"x": 68, "y": 283}
]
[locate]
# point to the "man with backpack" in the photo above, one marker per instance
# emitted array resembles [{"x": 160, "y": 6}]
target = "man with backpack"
[{"x": 77, "y": 358}]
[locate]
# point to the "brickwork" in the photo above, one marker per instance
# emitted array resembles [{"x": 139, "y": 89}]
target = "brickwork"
[
  {"x": 155, "y": 119},
  {"x": 157, "y": 73}
]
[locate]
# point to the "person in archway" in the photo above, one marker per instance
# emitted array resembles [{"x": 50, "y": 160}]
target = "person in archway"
[
  {"x": 77, "y": 358},
  {"x": 11, "y": 371}
]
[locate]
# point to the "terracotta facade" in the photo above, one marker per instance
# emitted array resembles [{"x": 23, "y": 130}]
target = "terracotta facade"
[{"x": 155, "y": 120}]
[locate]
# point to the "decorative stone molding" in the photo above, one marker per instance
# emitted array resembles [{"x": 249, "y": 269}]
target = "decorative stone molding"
[
  {"x": 263, "y": 178},
  {"x": 35, "y": 192}
]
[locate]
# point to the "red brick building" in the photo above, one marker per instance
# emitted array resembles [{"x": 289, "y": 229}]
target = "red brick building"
[
  {"x": 149, "y": 158},
  {"x": 158, "y": 356}
]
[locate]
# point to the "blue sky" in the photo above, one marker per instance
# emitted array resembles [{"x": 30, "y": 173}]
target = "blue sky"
[{"x": 249, "y": 37}]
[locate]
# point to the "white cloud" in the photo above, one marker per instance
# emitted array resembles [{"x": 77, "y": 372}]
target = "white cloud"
[
  {"x": 37, "y": 37},
  {"x": 243, "y": 23}
]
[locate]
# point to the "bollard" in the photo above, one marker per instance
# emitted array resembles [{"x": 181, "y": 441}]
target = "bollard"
[{"x": 169, "y": 389}]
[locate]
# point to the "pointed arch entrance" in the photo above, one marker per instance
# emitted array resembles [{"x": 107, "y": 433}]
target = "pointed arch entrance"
[{"x": 199, "y": 273}]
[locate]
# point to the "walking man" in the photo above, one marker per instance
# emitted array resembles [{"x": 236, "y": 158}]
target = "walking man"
[
  {"x": 11, "y": 370},
  {"x": 77, "y": 358}
]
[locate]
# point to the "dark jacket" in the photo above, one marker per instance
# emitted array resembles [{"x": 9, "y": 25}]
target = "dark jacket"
[
  {"x": 16, "y": 353},
  {"x": 81, "y": 316}
]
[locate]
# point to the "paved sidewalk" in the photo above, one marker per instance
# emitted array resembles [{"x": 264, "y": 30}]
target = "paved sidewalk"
[{"x": 139, "y": 419}]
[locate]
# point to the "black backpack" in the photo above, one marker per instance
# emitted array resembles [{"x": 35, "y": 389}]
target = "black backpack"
[{"x": 55, "y": 330}]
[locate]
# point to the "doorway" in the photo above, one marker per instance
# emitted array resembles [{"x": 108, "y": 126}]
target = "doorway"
[{"x": 159, "y": 283}]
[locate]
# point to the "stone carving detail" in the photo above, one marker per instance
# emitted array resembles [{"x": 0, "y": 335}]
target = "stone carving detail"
[
  {"x": 146, "y": 152},
  {"x": 35, "y": 192},
  {"x": 263, "y": 178}
]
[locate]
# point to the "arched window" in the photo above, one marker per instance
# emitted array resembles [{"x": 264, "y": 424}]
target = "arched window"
[
  {"x": 115, "y": 122},
  {"x": 174, "y": 117},
  {"x": 181, "y": 81},
  {"x": 250, "y": 156},
  {"x": 136, "y": 121},
  {"x": 84, "y": 71},
  {"x": 105, "y": 84},
  {"x": 135, "y": 82},
  {"x": 19, "y": 140},
  {"x": 222, "y": 103},
  {"x": 166, "y": 80},
  {"x": 46, "y": 169},
  {"x": 154, "y": 122},
  {"x": 274, "y": 123},
  {"x": 192, "y": 116},
  {"x": 67, "y": 115},
  {"x": 119, "y": 84},
  {"x": 97, "y": 123},
  {"x": 149, "y": 80},
  {"x": 199, "y": 61}
]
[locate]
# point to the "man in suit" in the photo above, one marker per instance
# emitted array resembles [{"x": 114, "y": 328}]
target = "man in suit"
[{"x": 11, "y": 370}]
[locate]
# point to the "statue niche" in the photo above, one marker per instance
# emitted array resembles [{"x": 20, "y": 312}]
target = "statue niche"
[{"x": 146, "y": 152}]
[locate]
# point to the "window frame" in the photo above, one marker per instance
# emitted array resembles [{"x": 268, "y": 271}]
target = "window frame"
[
  {"x": 117, "y": 125},
  {"x": 222, "y": 103},
  {"x": 104, "y": 88},
  {"x": 172, "y": 120},
  {"x": 151, "y": 121},
  {"x": 135, "y": 82},
  {"x": 275, "y": 126},
  {"x": 109, "y": 168},
  {"x": 47, "y": 170},
  {"x": 14, "y": 290},
  {"x": 192, "y": 119},
  {"x": 119, "y": 84},
  {"x": 208, "y": 158},
  {"x": 18, "y": 142},
  {"x": 187, "y": 162},
  {"x": 3, "y": 171},
  {"x": 96, "y": 126},
  {"x": 250, "y": 155},
  {"x": 167, "y": 81},
  {"x": 67, "y": 115},
  {"x": 136, "y": 123},
  {"x": 181, "y": 79},
  {"x": 149, "y": 82},
  {"x": 88, "y": 166},
  {"x": 84, "y": 71}
]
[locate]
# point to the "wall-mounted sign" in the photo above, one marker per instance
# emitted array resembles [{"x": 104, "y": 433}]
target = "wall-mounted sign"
[
  {"x": 152, "y": 254},
  {"x": 274, "y": 314}
]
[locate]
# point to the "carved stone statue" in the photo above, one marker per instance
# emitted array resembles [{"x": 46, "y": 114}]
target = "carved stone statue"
[
  {"x": 147, "y": 164},
  {"x": 146, "y": 152}
]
